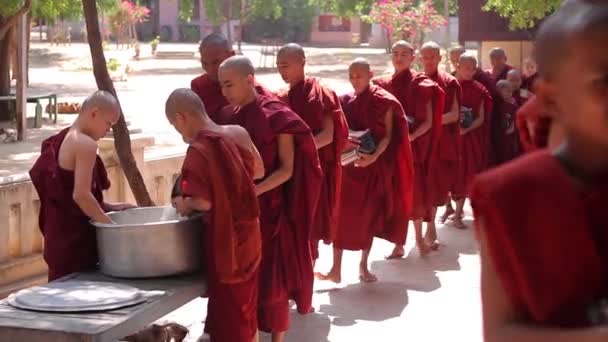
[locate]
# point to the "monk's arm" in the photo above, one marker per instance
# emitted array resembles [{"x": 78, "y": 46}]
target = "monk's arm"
[
  {"x": 285, "y": 170},
  {"x": 326, "y": 136},
  {"x": 85, "y": 158},
  {"x": 453, "y": 115},
  {"x": 424, "y": 126},
  {"x": 502, "y": 323},
  {"x": 258, "y": 163},
  {"x": 478, "y": 122}
]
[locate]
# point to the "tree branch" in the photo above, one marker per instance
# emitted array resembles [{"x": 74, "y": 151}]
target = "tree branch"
[{"x": 12, "y": 20}]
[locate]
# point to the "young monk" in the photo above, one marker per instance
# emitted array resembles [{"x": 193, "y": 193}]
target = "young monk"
[
  {"x": 320, "y": 108},
  {"x": 217, "y": 177},
  {"x": 544, "y": 275},
  {"x": 454, "y": 56},
  {"x": 500, "y": 68},
  {"x": 507, "y": 142},
  {"x": 449, "y": 185},
  {"x": 287, "y": 195},
  {"x": 475, "y": 138},
  {"x": 423, "y": 100},
  {"x": 377, "y": 192},
  {"x": 69, "y": 177},
  {"x": 214, "y": 49},
  {"x": 515, "y": 78},
  {"x": 530, "y": 74}
]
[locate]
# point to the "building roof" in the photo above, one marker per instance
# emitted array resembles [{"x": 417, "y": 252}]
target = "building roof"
[{"x": 476, "y": 24}]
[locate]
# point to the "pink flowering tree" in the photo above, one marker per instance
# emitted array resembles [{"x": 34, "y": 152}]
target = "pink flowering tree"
[
  {"x": 124, "y": 18},
  {"x": 405, "y": 19}
]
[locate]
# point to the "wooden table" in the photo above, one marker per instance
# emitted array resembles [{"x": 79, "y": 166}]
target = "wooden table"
[
  {"x": 37, "y": 98},
  {"x": 18, "y": 325}
]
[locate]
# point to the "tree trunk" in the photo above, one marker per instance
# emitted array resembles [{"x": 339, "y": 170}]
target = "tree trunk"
[
  {"x": 122, "y": 141},
  {"x": 5, "y": 73},
  {"x": 228, "y": 11}
]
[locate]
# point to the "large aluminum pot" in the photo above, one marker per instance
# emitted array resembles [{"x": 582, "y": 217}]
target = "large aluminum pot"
[{"x": 149, "y": 242}]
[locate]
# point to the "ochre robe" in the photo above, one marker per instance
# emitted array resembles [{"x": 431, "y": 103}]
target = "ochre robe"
[
  {"x": 507, "y": 145},
  {"x": 216, "y": 105},
  {"x": 287, "y": 212},
  {"x": 377, "y": 200},
  {"x": 70, "y": 243},
  {"x": 449, "y": 150},
  {"x": 475, "y": 143},
  {"x": 553, "y": 263},
  {"x": 313, "y": 102},
  {"x": 218, "y": 170},
  {"x": 414, "y": 91},
  {"x": 533, "y": 125}
]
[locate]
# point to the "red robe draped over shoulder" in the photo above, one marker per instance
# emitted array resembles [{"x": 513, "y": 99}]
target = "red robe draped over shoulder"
[
  {"x": 414, "y": 91},
  {"x": 218, "y": 170},
  {"x": 377, "y": 200},
  {"x": 70, "y": 243},
  {"x": 533, "y": 125},
  {"x": 553, "y": 263},
  {"x": 287, "y": 212},
  {"x": 313, "y": 102},
  {"x": 450, "y": 149},
  {"x": 475, "y": 143},
  {"x": 216, "y": 105}
]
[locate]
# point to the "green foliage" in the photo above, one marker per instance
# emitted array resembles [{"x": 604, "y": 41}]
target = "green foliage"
[
  {"x": 52, "y": 10},
  {"x": 267, "y": 9},
  {"x": 522, "y": 14},
  {"x": 293, "y": 25},
  {"x": 113, "y": 64},
  {"x": 349, "y": 8},
  {"x": 9, "y": 7}
]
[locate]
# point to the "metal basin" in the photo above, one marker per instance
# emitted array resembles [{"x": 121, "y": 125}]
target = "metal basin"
[{"x": 149, "y": 242}]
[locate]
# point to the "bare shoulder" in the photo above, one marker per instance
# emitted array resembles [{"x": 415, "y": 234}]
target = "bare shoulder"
[
  {"x": 83, "y": 143},
  {"x": 238, "y": 134},
  {"x": 76, "y": 146}
]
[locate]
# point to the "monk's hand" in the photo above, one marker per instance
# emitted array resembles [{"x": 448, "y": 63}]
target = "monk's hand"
[
  {"x": 181, "y": 205},
  {"x": 122, "y": 206},
  {"x": 352, "y": 144},
  {"x": 365, "y": 160}
]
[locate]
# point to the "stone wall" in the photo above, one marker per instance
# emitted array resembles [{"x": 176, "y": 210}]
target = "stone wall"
[{"x": 21, "y": 262}]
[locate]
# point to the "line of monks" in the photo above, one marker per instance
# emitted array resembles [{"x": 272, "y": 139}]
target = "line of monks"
[{"x": 268, "y": 169}]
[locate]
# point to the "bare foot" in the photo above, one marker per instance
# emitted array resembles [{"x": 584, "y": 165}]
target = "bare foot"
[
  {"x": 366, "y": 276},
  {"x": 458, "y": 223},
  {"x": 423, "y": 248},
  {"x": 434, "y": 245},
  {"x": 449, "y": 211},
  {"x": 334, "y": 276},
  {"x": 398, "y": 253}
]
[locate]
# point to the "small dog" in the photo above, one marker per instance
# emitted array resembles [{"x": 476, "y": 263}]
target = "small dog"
[{"x": 171, "y": 332}]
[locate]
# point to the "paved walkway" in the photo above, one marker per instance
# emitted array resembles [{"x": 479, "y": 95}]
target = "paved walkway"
[{"x": 431, "y": 299}]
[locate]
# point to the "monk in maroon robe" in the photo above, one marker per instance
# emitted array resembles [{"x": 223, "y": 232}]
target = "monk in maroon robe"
[
  {"x": 449, "y": 185},
  {"x": 520, "y": 95},
  {"x": 541, "y": 218},
  {"x": 500, "y": 68},
  {"x": 320, "y": 108},
  {"x": 215, "y": 49},
  {"x": 423, "y": 100},
  {"x": 217, "y": 178},
  {"x": 475, "y": 138},
  {"x": 288, "y": 195},
  {"x": 69, "y": 177},
  {"x": 530, "y": 76},
  {"x": 377, "y": 189},
  {"x": 507, "y": 146}
]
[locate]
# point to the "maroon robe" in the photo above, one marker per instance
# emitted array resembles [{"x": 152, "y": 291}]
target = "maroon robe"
[
  {"x": 502, "y": 75},
  {"x": 216, "y": 105},
  {"x": 414, "y": 91},
  {"x": 287, "y": 212},
  {"x": 533, "y": 125},
  {"x": 377, "y": 200},
  {"x": 312, "y": 102},
  {"x": 217, "y": 169},
  {"x": 552, "y": 263},
  {"x": 475, "y": 143},
  {"x": 529, "y": 83},
  {"x": 70, "y": 243},
  {"x": 507, "y": 146},
  {"x": 449, "y": 150}
]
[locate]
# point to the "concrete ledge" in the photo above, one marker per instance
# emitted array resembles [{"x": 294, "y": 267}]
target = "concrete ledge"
[{"x": 22, "y": 268}]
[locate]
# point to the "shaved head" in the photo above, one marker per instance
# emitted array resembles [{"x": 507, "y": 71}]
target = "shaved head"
[
  {"x": 360, "y": 64},
  {"x": 215, "y": 40},
  {"x": 240, "y": 64},
  {"x": 468, "y": 60},
  {"x": 291, "y": 50},
  {"x": 185, "y": 101},
  {"x": 514, "y": 73},
  {"x": 498, "y": 53},
  {"x": 575, "y": 21},
  {"x": 504, "y": 85},
  {"x": 431, "y": 46},
  {"x": 458, "y": 49},
  {"x": 404, "y": 45},
  {"x": 101, "y": 101}
]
